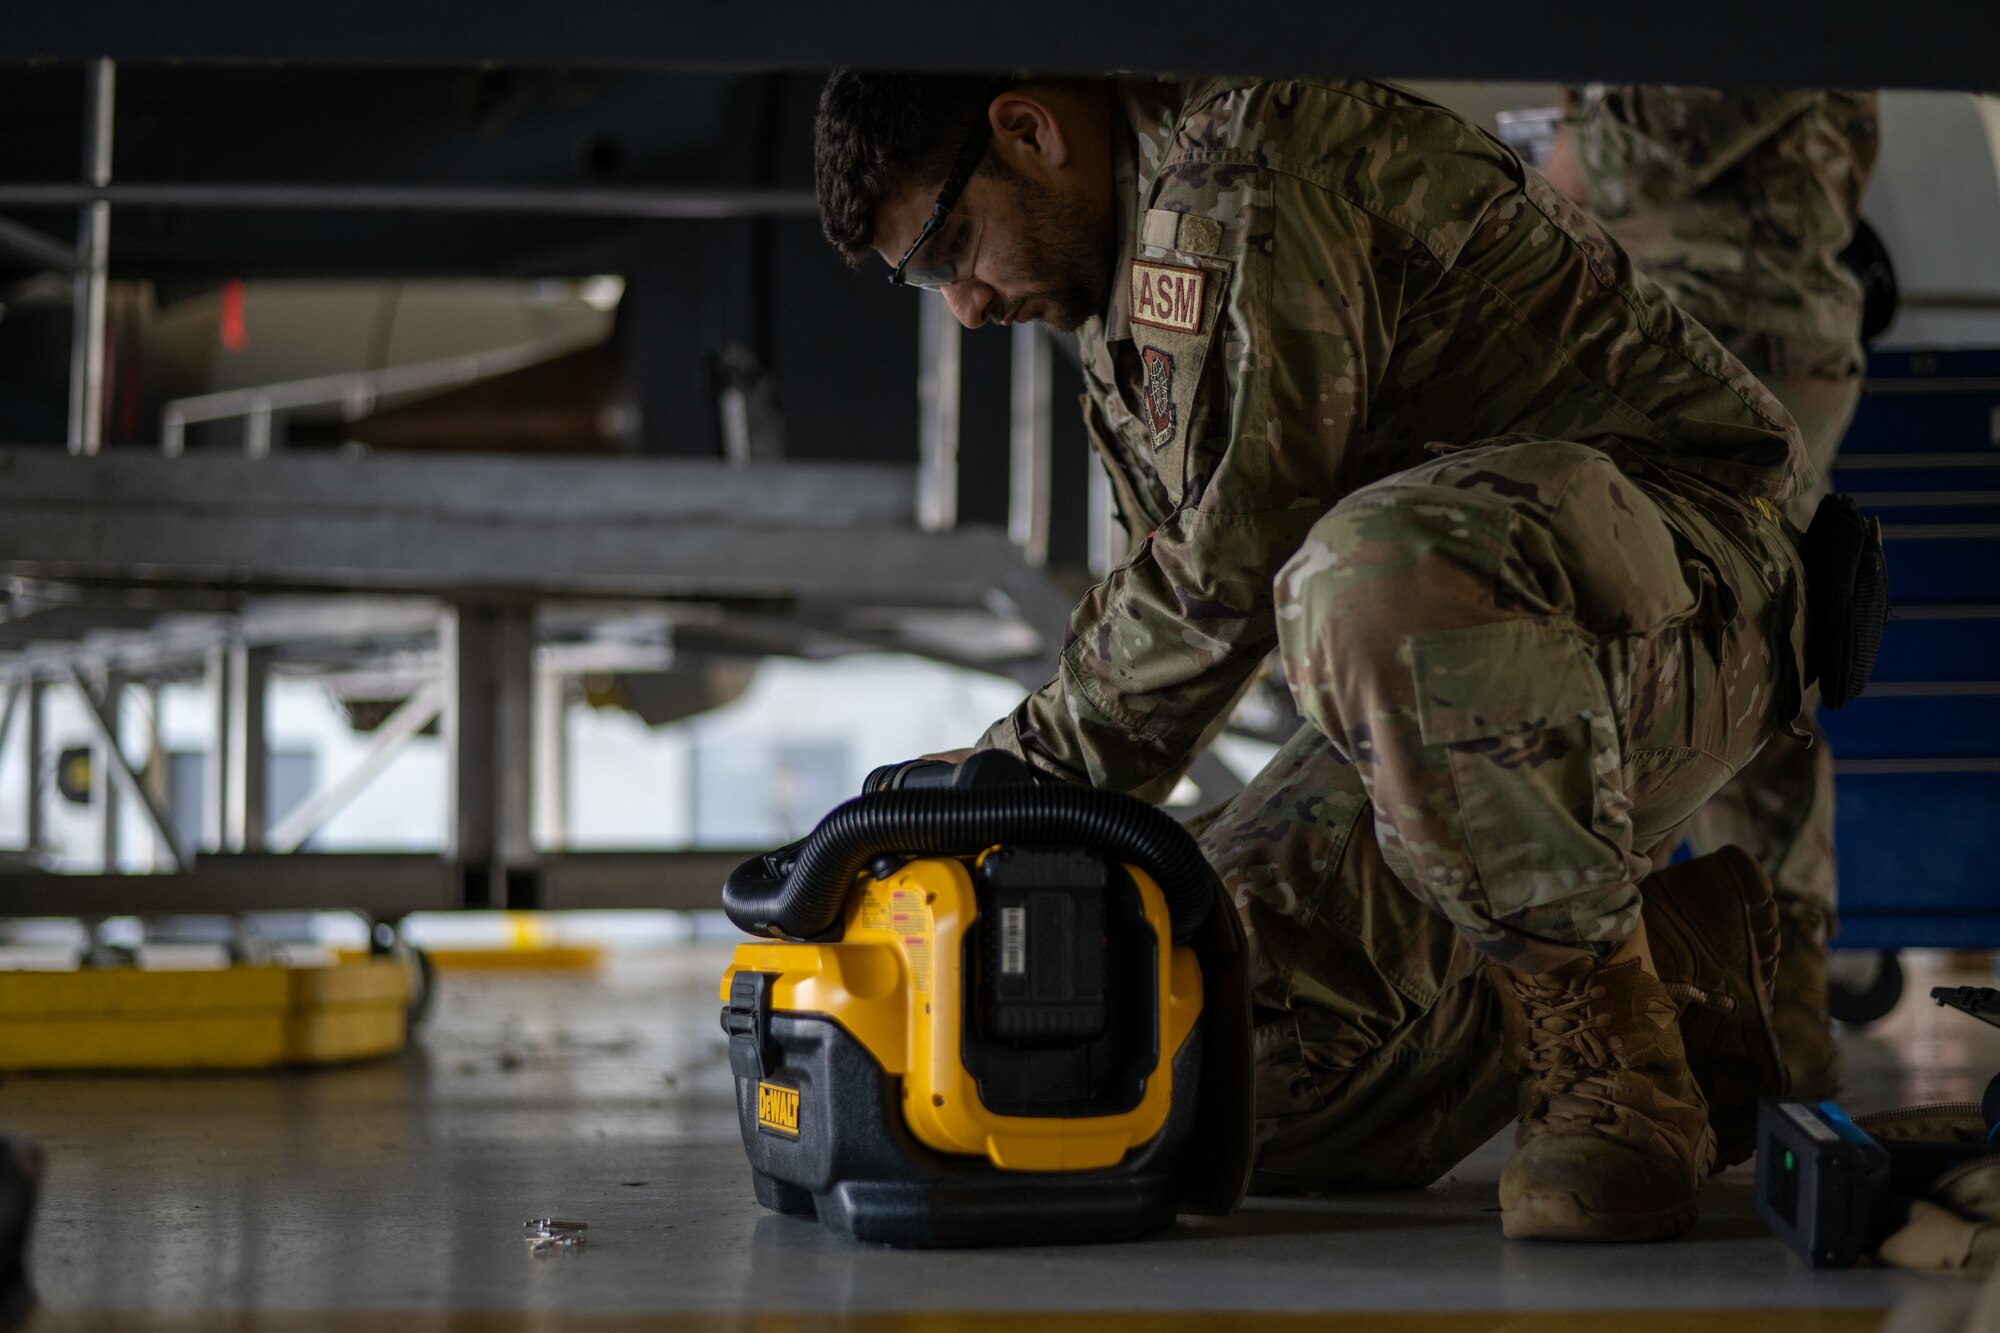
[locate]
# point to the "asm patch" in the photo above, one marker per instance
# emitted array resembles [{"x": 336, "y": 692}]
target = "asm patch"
[
  {"x": 1159, "y": 396},
  {"x": 1166, "y": 296}
]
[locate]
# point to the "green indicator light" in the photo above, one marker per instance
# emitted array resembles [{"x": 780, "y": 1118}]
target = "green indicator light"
[{"x": 1790, "y": 1162}]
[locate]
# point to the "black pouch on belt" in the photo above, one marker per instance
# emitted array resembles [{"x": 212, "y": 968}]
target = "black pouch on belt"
[{"x": 1847, "y": 598}]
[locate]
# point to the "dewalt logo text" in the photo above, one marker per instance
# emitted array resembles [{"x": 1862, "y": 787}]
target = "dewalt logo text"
[{"x": 778, "y": 1110}]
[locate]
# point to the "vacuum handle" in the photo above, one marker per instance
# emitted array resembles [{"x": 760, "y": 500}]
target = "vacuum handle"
[
  {"x": 981, "y": 768},
  {"x": 992, "y": 798},
  {"x": 911, "y": 775}
]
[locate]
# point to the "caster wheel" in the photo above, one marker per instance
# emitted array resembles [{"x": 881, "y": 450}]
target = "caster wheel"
[
  {"x": 102, "y": 955},
  {"x": 423, "y": 984},
  {"x": 385, "y": 941},
  {"x": 1864, "y": 999}
]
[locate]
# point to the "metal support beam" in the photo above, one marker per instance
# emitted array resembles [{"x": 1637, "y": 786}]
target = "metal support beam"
[
  {"x": 489, "y": 663},
  {"x": 551, "y": 760},
  {"x": 29, "y": 244},
  {"x": 415, "y": 713},
  {"x": 36, "y": 831},
  {"x": 101, "y": 713},
  {"x": 382, "y": 885},
  {"x": 107, "y": 755},
  {"x": 676, "y": 203},
  {"x": 249, "y": 747},
  {"x": 86, "y": 363},
  {"x": 621, "y": 527},
  {"x": 181, "y": 644},
  {"x": 685, "y": 881},
  {"x": 513, "y": 784},
  {"x": 1028, "y": 441},
  {"x": 16, "y": 697},
  {"x": 938, "y": 362},
  {"x": 157, "y": 773},
  {"x": 465, "y": 644},
  {"x": 8, "y": 712},
  {"x": 215, "y": 758},
  {"x": 257, "y": 432}
]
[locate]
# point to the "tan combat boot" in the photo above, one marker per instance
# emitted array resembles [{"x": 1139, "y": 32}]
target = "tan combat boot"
[
  {"x": 1614, "y": 1134},
  {"x": 1713, "y": 927},
  {"x": 1805, "y": 1033}
]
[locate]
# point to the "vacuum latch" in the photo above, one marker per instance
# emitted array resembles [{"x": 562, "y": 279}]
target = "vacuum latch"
[{"x": 747, "y": 1021}]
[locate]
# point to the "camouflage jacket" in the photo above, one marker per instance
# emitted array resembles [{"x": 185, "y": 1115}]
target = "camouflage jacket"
[
  {"x": 1320, "y": 285},
  {"x": 1739, "y": 204}
]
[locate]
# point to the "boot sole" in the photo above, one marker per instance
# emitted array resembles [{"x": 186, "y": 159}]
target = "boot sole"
[{"x": 1561, "y": 1215}]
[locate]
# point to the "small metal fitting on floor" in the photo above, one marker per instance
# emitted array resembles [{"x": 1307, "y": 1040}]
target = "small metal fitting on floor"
[{"x": 545, "y": 1234}]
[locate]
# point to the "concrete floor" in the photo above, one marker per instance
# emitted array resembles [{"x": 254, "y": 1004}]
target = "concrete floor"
[{"x": 331, "y": 1199}]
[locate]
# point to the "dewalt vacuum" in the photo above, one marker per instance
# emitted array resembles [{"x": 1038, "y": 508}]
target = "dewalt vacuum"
[{"x": 987, "y": 1010}]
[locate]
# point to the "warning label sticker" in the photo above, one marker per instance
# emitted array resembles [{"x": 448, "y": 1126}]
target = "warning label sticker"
[
  {"x": 904, "y": 914},
  {"x": 910, "y": 918}
]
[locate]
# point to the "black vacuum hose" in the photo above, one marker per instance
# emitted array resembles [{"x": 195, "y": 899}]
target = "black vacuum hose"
[{"x": 803, "y": 900}]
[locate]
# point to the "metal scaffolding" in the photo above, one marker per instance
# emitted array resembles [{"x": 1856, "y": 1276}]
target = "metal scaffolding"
[{"x": 477, "y": 588}]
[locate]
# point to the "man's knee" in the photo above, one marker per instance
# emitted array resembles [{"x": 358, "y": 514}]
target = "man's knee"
[
  {"x": 1536, "y": 530},
  {"x": 1489, "y": 533},
  {"x": 1393, "y": 562},
  {"x": 1392, "y": 554}
]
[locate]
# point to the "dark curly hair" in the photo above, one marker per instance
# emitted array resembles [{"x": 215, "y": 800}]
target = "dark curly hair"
[{"x": 880, "y": 133}]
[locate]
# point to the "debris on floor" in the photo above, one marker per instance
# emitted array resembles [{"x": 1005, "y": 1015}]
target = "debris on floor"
[{"x": 553, "y": 1233}]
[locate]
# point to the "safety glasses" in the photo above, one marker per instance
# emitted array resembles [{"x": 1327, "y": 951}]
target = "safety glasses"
[{"x": 948, "y": 242}]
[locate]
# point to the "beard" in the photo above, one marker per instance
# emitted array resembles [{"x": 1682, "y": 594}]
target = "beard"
[{"x": 1070, "y": 248}]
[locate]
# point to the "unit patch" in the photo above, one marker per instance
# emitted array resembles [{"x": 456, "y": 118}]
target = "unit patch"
[
  {"x": 1160, "y": 412},
  {"x": 1167, "y": 296},
  {"x": 778, "y": 1110}
]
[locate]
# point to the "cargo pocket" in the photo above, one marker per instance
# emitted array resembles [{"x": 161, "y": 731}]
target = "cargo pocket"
[
  {"x": 1527, "y": 732},
  {"x": 1285, "y": 1084}
]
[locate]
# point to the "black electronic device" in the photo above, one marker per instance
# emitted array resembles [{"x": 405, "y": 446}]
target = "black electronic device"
[
  {"x": 1830, "y": 1188},
  {"x": 1822, "y": 1182}
]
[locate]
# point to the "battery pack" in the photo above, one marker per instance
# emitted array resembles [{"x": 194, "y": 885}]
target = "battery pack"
[
  {"x": 1822, "y": 1182},
  {"x": 1043, "y": 921}
]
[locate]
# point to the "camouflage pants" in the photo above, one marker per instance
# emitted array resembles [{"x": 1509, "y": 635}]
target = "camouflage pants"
[
  {"x": 1378, "y": 1049},
  {"x": 1522, "y": 670},
  {"x": 1780, "y": 807}
]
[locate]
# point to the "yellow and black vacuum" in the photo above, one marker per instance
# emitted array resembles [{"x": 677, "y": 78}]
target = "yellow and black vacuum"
[{"x": 988, "y": 1010}]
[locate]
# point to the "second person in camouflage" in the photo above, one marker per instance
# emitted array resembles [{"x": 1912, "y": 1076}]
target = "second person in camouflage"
[
  {"x": 1739, "y": 202},
  {"x": 1373, "y": 393}
]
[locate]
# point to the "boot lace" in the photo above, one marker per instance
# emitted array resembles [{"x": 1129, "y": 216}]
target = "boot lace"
[{"x": 1571, "y": 1063}]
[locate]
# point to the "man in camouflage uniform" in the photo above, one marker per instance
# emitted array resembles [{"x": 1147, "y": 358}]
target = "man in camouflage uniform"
[
  {"x": 1373, "y": 393},
  {"x": 1739, "y": 204}
]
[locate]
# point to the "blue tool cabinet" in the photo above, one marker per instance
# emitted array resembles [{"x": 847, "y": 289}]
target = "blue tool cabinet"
[{"x": 1917, "y": 758}]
